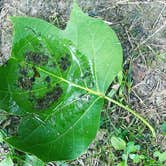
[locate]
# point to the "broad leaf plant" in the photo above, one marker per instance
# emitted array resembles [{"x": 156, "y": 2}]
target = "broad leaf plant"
[{"x": 56, "y": 81}]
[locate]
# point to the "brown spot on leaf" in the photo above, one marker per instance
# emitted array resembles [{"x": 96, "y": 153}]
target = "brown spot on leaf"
[
  {"x": 36, "y": 73},
  {"x": 23, "y": 71},
  {"x": 64, "y": 62},
  {"x": 49, "y": 98},
  {"x": 36, "y": 58},
  {"x": 24, "y": 80},
  {"x": 25, "y": 83}
]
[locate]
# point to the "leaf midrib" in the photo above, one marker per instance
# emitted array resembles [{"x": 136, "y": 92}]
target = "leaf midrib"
[
  {"x": 102, "y": 95},
  {"x": 97, "y": 93}
]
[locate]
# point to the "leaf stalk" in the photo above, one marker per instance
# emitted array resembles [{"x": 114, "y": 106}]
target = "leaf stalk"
[{"x": 103, "y": 96}]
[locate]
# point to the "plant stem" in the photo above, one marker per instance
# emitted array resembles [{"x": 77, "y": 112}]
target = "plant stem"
[
  {"x": 134, "y": 113},
  {"x": 103, "y": 96}
]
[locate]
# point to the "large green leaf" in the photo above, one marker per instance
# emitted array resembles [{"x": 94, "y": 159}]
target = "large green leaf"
[
  {"x": 99, "y": 43},
  {"x": 56, "y": 79}
]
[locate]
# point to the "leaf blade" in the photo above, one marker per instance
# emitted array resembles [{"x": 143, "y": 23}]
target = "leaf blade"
[
  {"x": 97, "y": 41},
  {"x": 37, "y": 132}
]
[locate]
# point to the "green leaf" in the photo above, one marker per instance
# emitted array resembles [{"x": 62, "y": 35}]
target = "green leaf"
[
  {"x": 57, "y": 79},
  {"x": 1, "y": 137},
  {"x": 118, "y": 143},
  {"x": 156, "y": 154},
  {"x": 99, "y": 43},
  {"x": 61, "y": 163},
  {"x": 161, "y": 156},
  {"x": 33, "y": 161},
  {"x": 122, "y": 163},
  {"x": 7, "y": 162},
  {"x": 163, "y": 128},
  {"x": 136, "y": 158},
  {"x": 125, "y": 157},
  {"x": 131, "y": 148}
]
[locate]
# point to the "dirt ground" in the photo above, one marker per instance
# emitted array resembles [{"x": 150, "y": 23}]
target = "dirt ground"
[{"x": 141, "y": 28}]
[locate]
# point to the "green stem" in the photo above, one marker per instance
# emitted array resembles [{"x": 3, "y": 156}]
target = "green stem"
[
  {"x": 134, "y": 113},
  {"x": 102, "y": 95}
]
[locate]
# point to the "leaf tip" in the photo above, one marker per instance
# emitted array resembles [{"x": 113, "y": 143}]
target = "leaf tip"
[{"x": 76, "y": 7}]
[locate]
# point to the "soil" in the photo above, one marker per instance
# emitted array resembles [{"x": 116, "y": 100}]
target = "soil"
[{"x": 141, "y": 28}]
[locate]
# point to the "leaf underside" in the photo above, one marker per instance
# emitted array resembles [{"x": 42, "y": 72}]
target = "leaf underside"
[{"x": 48, "y": 81}]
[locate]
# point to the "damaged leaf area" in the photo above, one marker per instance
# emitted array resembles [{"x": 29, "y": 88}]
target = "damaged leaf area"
[{"x": 56, "y": 79}]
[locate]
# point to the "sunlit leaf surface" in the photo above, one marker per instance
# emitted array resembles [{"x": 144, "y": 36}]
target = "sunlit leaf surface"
[{"x": 49, "y": 79}]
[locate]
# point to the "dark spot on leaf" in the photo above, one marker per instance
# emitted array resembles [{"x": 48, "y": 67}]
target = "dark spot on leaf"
[
  {"x": 49, "y": 98},
  {"x": 36, "y": 73},
  {"x": 36, "y": 58},
  {"x": 48, "y": 79},
  {"x": 64, "y": 62},
  {"x": 32, "y": 79},
  {"x": 25, "y": 83},
  {"x": 23, "y": 71},
  {"x": 53, "y": 64},
  {"x": 86, "y": 74}
]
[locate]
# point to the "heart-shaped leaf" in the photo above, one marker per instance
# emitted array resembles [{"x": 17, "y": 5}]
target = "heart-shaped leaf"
[{"x": 55, "y": 80}]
